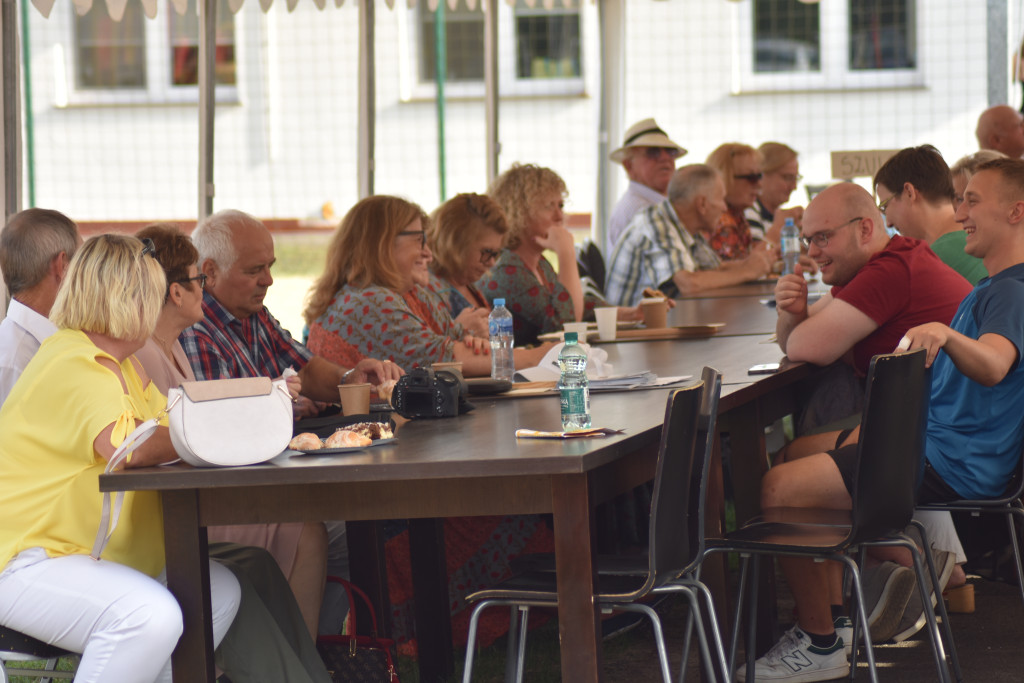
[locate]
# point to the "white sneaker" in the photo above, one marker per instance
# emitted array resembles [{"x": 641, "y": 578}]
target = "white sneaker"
[
  {"x": 796, "y": 660},
  {"x": 844, "y": 629}
]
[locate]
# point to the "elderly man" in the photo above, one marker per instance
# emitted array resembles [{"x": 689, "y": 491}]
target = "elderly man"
[
  {"x": 1001, "y": 128},
  {"x": 969, "y": 454},
  {"x": 36, "y": 247},
  {"x": 663, "y": 247},
  {"x": 915, "y": 193},
  {"x": 649, "y": 157},
  {"x": 238, "y": 337}
]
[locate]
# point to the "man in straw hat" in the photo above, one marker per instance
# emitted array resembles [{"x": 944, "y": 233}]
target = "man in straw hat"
[{"x": 649, "y": 157}]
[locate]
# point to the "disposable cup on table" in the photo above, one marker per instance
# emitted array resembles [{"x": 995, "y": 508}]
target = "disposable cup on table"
[
  {"x": 355, "y": 398},
  {"x": 655, "y": 312},
  {"x": 579, "y": 328},
  {"x": 607, "y": 322}
]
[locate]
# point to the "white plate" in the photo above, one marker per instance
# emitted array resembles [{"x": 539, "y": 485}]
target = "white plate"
[{"x": 348, "y": 449}]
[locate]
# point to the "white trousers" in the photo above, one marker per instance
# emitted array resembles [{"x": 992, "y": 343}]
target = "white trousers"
[{"x": 123, "y": 622}]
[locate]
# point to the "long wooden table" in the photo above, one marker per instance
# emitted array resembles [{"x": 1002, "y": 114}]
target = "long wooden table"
[{"x": 472, "y": 465}]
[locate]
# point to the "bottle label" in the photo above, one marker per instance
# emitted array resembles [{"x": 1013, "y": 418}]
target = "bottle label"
[{"x": 575, "y": 401}]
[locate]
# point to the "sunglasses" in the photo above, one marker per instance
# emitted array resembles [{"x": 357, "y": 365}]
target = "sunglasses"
[
  {"x": 201, "y": 279},
  {"x": 422, "y": 235},
  {"x": 148, "y": 247},
  {"x": 750, "y": 177},
  {"x": 487, "y": 256},
  {"x": 654, "y": 153}
]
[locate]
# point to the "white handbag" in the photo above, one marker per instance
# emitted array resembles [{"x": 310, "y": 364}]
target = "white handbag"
[{"x": 230, "y": 422}]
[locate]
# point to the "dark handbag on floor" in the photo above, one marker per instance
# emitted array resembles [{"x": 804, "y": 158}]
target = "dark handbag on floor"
[{"x": 354, "y": 658}]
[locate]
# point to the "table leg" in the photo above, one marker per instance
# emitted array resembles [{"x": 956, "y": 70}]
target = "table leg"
[
  {"x": 433, "y": 605},
  {"x": 188, "y": 579},
  {"x": 367, "y": 569},
  {"x": 578, "y": 615}
]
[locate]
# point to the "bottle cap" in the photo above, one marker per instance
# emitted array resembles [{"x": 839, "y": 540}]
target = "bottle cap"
[
  {"x": 499, "y": 302},
  {"x": 571, "y": 338}
]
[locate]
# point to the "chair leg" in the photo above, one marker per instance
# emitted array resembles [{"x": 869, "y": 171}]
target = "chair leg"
[
  {"x": 524, "y": 620},
  {"x": 1014, "y": 512},
  {"x": 716, "y": 634},
  {"x": 474, "y": 619},
  {"x": 860, "y": 618},
  {"x": 750, "y": 647},
  {"x": 737, "y": 616},
  {"x": 947, "y": 626},
  {"x": 659, "y": 635}
]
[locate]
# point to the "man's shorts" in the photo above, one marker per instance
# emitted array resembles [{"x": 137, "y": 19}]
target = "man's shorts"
[{"x": 932, "y": 489}]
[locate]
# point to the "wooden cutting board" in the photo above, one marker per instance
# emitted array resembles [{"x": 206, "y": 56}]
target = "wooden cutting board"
[{"x": 681, "y": 332}]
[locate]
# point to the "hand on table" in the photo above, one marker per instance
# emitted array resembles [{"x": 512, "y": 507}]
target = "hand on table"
[
  {"x": 474, "y": 320},
  {"x": 478, "y": 345}
]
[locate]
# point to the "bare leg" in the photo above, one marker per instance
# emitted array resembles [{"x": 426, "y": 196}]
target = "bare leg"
[
  {"x": 803, "y": 446},
  {"x": 309, "y": 573},
  {"x": 811, "y": 481}
]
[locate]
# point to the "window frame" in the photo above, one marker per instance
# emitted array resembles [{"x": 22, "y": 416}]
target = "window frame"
[
  {"x": 157, "y": 46},
  {"x": 509, "y": 84},
  {"x": 835, "y": 73}
]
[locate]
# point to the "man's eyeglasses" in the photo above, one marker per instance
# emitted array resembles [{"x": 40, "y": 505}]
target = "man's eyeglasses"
[
  {"x": 487, "y": 256},
  {"x": 654, "y": 153},
  {"x": 882, "y": 206},
  {"x": 822, "y": 238},
  {"x": 750, "y": 177},
  {"x": 201, "y": 279},
  {"x": 421, "y": 233},
  {"x": 791, "y": 178},
  {"x": 148, "y": 247}
]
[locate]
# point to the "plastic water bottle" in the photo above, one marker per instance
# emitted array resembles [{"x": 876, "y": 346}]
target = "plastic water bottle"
[
  {"x": 790, "y": 247},
  {"x": 573, "y": 386},
  {"x": 499, "y": 327}
]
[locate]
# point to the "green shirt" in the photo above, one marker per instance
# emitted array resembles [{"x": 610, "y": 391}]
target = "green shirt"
[{"x": 950, "y": 248}]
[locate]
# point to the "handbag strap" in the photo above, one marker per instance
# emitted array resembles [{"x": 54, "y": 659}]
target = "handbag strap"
[
  {"x": 112, "y": 502},
  {"x": 350, "y": 590}
]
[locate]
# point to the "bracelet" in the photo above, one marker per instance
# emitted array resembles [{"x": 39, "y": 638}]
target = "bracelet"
[{"x": 344, "y": 378}]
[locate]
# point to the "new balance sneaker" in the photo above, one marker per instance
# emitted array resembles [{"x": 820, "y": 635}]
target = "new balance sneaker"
[
  {"x": 844, "y": 629},
  {"x": 887, "y": 589},
  {"x": 796, "y": 660}
]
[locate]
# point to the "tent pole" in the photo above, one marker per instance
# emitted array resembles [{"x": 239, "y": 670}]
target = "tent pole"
[
  {"x": 367, "y": 100},
  {"x": 207, "y": 102},
  {"x": 611, "y": 20},
  {"x": 493, "y": 146}
]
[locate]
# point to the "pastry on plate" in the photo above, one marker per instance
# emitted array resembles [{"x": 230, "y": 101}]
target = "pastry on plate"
[
  {"x": 373, "y": 430},
  {"x": 346, "y": 438},
  {"x": 306, "y": 441}
]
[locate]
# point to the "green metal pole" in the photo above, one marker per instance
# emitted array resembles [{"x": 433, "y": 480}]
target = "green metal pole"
[
  {"x": 26, "y": 66},
  {"x": 441, "y": 71}
]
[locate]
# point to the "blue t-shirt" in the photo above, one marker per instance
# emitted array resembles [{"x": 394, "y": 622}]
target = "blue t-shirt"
[{"x": 975, "y": 432}]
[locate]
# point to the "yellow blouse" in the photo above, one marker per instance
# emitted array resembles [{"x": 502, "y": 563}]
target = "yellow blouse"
[{"x": 49, "y": 471}]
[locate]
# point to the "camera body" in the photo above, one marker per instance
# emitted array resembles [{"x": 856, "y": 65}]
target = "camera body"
[{"x": 425, "y": 393}]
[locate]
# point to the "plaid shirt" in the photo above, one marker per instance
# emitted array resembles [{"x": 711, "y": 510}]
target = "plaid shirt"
[
  {"x": 220, "y": 346},
  {"x": 655, "y": 247}
]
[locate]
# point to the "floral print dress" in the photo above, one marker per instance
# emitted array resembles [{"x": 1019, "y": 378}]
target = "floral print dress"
[
  {"x": 376, "y": 322},
  {"x": 731, "y": 238}
]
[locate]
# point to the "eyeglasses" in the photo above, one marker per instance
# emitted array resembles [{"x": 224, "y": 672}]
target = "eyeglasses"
[
  {"x": 882, "y": 206},
  {"x": 489, "y": 255},
  {"x": 421, "y": 233},
  {"x": 750, "y": 177},
  {"x": 654, "y": 153},
  {"x": 148, "y": 247},
  {"x": 822, "y": 238},
  {"x": 791, "y": 178},
  {"x": 201, "y": 279}
]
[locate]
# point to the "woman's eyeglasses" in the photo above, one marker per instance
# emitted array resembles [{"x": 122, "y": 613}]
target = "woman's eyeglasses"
[
  {"x": 421, "y": 233},
  {"x": 487, "y": 256},
  {"x": 750, "y": 177},
  {"x": 148, "y": 247},
  {"x": 201, "y": 279}
]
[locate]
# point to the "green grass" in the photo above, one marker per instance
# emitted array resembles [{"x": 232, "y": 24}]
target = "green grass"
[
  {"x": 63, "y": 664},
  {"x": 302, "y": 254}
]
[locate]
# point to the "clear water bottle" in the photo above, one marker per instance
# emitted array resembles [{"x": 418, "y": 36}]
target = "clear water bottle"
[
  {"x": 790, "y": 247},
  {"x": 499, "y": 327},
  {"x": 573, "y": 386}
]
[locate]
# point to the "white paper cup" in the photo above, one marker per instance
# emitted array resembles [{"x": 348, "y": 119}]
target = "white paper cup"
[
  {"x": 607, "y": 322},
  {"x": 579, "y": 328}
]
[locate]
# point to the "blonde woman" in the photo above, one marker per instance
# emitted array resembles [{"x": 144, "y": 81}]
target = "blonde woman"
[
  {"x": 780, "y": 170},
  {"x": 78, "y": 398},
  {"x": 740, "y": 166}
]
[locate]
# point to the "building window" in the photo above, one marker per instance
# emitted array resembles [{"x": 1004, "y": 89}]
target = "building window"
[
  {"x": 142, "y": 60},
  {"x": 794, "y": 45},
  {"x": 540, "y": 50}
]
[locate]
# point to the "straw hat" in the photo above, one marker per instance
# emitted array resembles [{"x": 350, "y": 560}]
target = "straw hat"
[{"x": 646, "y": 133}]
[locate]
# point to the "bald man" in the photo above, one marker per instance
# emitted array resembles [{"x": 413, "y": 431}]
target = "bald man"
[{"x": 1001, "y": 128}]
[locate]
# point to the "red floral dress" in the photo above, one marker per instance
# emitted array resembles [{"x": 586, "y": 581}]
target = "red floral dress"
[
  {"x": 376, "y": 322},
  {"x": 731, "y": 238}
]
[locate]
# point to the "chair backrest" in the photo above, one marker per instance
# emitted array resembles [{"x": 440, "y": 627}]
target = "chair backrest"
[
  {"x": 707, "y": 431},
  {"x": 670, "y": 532},
  {"x": 891, "y": 446},
  {"x": 590, "y": 262}
]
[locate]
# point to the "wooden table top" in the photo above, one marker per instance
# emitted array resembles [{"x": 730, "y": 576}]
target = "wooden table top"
[{"x": 758, "y": 288}]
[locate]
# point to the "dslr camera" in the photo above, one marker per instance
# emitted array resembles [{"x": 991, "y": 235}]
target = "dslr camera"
[{"x": 426, "y": 393}]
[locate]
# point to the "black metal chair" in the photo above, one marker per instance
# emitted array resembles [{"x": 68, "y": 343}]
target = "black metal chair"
[
  {"x": 889, "y": 458},
  {"x": 672, "y": 550},
  {"x": 1008, "y": 505},
  {"x": 590, "y": 263},
  {"x": 16, "y": 648}
]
